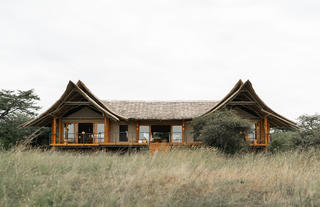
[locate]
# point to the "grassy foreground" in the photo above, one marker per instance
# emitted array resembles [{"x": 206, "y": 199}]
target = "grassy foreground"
[{"x": 179, "y": 178}]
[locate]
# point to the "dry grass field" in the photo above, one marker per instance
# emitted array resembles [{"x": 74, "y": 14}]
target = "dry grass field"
[{"x": 199, "y": 177}]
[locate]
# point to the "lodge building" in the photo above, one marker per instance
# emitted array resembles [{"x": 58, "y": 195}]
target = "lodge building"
[{"x": 80, "y": 119}]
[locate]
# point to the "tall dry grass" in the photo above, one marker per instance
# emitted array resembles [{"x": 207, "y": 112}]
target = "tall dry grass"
[{"x": 199, "y": 177}]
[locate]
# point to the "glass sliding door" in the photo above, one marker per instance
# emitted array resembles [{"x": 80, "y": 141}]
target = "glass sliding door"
[
  {"x": 70, "y": 131},
  {"x": 160, "y": 133},
  {"x": 176, "y": 133},
  {"x": 99, "y": 132},
  {"x": 144, "y": 133},
  {"x": 86, "y": 133}
]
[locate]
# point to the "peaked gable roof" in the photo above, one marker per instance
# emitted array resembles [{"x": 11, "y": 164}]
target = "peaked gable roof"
[
  {"x": 158, "y": 110},
  {"x": 81, "y": 85},
  {"x": 60, "y": 106},
  {"x": 261, "y": 107}
]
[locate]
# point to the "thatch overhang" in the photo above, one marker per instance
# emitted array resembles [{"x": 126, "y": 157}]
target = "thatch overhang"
[
  {"x": 71, "y": 100},
  {"x": 243, "y": 96}
]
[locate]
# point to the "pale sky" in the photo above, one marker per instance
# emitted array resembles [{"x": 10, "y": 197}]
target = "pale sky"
[{"x": 164, "y": 50}]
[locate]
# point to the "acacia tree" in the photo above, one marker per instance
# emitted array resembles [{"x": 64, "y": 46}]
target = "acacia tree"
[
  {"x": 309, "y": 133},
  {"x": 307, "y": 136},
  {"x": 16, "y": 107},
  {"x": 224, "y": 130}
]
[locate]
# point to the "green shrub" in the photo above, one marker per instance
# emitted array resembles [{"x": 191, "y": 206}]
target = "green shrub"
[
  {"x": 308, "y": 136},
  {"x": 224, "y": 130},
  {"x": 282, "y": 141},
  {"x": 309, "y": 133}
]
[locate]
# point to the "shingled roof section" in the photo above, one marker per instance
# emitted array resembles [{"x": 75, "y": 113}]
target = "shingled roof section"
[{"x": 159, "y": 110}]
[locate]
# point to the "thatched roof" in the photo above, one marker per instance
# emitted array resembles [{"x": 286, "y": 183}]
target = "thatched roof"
[
  {"x": 160, "y": 110},
  {"x": 242, "y": 96},
  {"x": 73, "y": 92}
]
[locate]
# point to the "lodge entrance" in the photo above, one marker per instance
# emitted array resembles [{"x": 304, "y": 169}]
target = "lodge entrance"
[
  {"x": 160, "y": 137},
  {"x": 85, "y": 131}
]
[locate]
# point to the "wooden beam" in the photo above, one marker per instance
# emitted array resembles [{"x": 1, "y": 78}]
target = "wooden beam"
[
  {"x": 287, "y": 122},
  {"x": 254, "y": 99},
  {"x": 77, "y": 103},
  {"x": 63, "y": 100},
  {"x": 242, "y": 103}
]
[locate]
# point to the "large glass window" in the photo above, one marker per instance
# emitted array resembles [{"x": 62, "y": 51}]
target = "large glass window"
[
  {"x": 123, "y": 133},
  {"x": 252, "y": 134},
  {"x": 69, "y": 132},
  {"x": 177, "y": 133},
  {"x": 144, "y": 134},
  {"x": 100, "y": 132}
]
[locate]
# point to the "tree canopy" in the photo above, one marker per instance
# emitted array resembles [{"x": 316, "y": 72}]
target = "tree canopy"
[
  {"x": 308, "y": 135},
  {"x": 20, "y": 102},
  {"x": 16, "y": 107}
]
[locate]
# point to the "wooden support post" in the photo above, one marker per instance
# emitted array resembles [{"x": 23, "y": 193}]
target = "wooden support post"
[
  {"x": 60, "y": 132},
  {"x": 51, "y": 137},
  {"x": 170, "y": 135},
  {"x": 269, "y": 132},
  {"x": 95, "y": 133},
  {"x": 137, "y": 130},
  {"x": 265, "y": 130},
  {"x": 261, "y": 132},
  {"x": 54, "y": 125},
  {"x": 106, "y": 130},
  {"x": 182, "y": 131}
]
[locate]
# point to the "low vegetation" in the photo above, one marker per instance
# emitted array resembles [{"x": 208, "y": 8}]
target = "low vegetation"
[
  {"x": 224, "y": 130},
  {"x": 197, "y": 177},
  {"x": 308, "y": 135}
]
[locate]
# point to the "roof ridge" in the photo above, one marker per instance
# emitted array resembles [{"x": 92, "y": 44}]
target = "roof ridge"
[{"x": 123, "y": 100}]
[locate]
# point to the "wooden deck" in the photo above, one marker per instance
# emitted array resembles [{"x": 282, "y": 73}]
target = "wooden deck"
[
  {"x": 126, "y": 144},
  {"x": 151, "y": 146},
  {"x": 101, "y": 144}
]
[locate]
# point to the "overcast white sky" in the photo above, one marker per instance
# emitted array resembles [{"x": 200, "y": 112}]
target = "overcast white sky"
[{"x": 164, "y": 50}]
